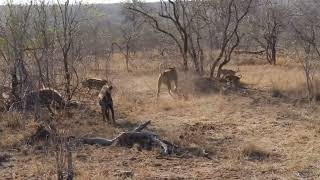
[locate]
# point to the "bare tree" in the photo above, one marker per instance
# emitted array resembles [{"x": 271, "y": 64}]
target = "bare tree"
[
  {"x": 66, "y": 25},
  {"x": 188, "y": 18},
  {"x": 195, "y": 30},
  {"x": 170, "y": 20},
  {"x": 43, "y": 42},
  {"x": 95, "y": 33},
  {"x": 307, "y": 32},
  {"x": 229, "y": 14},
  {"x": 130, "y": 29},
  {"x": 267, "y": 23},
  {"x": 14, "y": 35}
]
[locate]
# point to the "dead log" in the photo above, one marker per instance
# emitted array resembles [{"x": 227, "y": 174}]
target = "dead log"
[
  {"x": 142, "y": 126},
  {"x": 97, "y": 141},
  {"x": 146, "y": 140}
]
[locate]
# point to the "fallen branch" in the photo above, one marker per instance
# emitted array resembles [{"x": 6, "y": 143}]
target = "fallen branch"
[
  {"x": 97, "y": 141},
  {"x": 142, "y": 126},
  {"x": 145, "y": 140},
  {"x": 121, "y": 137}
]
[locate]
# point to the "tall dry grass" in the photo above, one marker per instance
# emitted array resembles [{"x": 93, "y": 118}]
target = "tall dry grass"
[{"x": 287, "y": 77}]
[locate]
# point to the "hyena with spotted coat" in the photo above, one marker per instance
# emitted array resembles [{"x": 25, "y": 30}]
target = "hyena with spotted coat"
[
  {"x": 106, "y": 103},
  {"x": 43, "y": 97},
  {"x": 94, "y": 83}
]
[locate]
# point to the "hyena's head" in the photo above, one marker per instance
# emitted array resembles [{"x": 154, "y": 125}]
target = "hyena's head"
[{"x": 109, "y": 88}]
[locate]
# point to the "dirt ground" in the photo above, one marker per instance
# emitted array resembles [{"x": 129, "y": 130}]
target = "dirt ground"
[{"x": 249, "y": 134}]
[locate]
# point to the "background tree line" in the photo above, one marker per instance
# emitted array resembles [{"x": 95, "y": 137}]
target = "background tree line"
[{"x": 42, "y": 42}]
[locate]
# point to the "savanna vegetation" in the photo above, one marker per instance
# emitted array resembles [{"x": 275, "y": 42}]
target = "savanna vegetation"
[{"x": 245, "y": 104}]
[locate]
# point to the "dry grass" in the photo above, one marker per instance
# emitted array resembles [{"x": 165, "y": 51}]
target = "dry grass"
[
  {"x": 288, "y": 80},
  {"x": 15, "y": 129},
  {"x": 254, "y": 152},
  {"x": 251, "y": 136},
  {"x": 13, "y": 121}
]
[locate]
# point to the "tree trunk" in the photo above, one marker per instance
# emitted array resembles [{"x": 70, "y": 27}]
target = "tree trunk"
[
  {"x": 274, "y": 57},
  {"x": 67, "y": 77},
  {"x": 201, "y": 59},
  {"x": 185, "y": 61},
  {"x": 274, "y": 50},
  {"x": 195, "y": 62},
  {"x": 221, "y": 65},
  {"x": 185, "y": 54},
  {"x": 194, "y": 56},
  {"x": 15, "y": 84},
  {"x": 213, "y": 67},
  {"x": 216, "y": 62},
  {"x": 200, "y": 54}
]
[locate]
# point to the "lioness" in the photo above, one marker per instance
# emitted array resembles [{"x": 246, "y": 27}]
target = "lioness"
[{"x": 166, "y": 77}]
